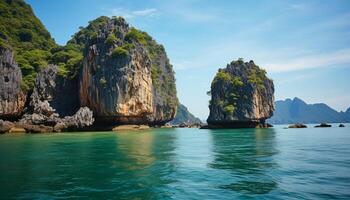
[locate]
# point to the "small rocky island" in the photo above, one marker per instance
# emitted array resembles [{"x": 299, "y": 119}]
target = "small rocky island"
[
  {"x": 108, "y": 74},
  {"x": 242, "y": 96}
]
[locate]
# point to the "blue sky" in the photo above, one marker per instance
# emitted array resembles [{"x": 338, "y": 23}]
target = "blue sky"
[{"x": 304, "y": 45}]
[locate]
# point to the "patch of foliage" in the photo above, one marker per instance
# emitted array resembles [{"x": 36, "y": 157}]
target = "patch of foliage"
[
  {"x": 257, "y": 77},
  {"x": 103, "y": 82},
  {"x": 221, "y": 76},
  {"x": 69, "y": 58},
  {"x": 120, "y": 52},
  {"x": 111, "y": 39},
  {"x": 31, "y": 42},
  {"x": 135, "y": 35},
  {"x": 229, "y": 109}
]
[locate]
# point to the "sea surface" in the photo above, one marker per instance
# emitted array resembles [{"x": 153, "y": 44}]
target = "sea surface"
[{"x": 276, "y": 163}]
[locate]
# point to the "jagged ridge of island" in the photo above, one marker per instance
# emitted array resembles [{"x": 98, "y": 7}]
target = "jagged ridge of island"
[
  {"x": 241, "y": 96},
  {"x": 118, "y": 73},
  {"x": 185, "y": 118}
]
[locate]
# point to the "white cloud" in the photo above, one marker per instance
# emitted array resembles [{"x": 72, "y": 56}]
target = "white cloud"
[
  {"x": 128, "y": 14},
  {"x": 145, "y": 12},
  {"x": 338, "y": 57}
]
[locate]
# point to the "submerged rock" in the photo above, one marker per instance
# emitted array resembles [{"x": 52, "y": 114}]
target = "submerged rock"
[
  {"x": 323, "y": 125},
  {"x": 241, "y": 96},
  {"x": 297, "y": 126},
  {"x": 126, "y": 77},
  {"x": 12, "y": 98}
]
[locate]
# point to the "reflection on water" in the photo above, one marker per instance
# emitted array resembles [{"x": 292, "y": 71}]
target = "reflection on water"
[
  {"x": 146, "y": 159},
  {"x": 178, "y": 164},
  {"x": 247, "y": 155},
  {"x": 136, "y": 149},
  {"x": 73, "y": 165}
]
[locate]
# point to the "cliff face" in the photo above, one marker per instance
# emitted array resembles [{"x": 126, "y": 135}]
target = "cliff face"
[
  {"x": 58, "y": 92},
  {"x": 241, "y": 96},
  {"x": 117, "y": 71},
  {"x": 117, "y": 80},
  {"x": 54, "y": 104},
  {"x": 12, "y": 99}
]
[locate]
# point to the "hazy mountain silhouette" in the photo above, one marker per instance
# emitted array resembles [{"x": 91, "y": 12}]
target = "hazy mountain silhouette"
[{"x": 297, "y": 111}]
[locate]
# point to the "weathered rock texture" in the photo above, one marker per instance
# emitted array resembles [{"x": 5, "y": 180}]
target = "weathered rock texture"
[
  {"x": 44, "y": 123},
  {"x": 123, "y": 75},
  {"x": 12, "y": 99},
  {"x": 54, "y": 93},
  {"x": 52, "y": 104},
  {"x": 241, "y": 96}
]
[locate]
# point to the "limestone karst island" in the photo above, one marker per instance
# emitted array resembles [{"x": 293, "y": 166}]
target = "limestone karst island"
[{"x": 118, "y": 99}]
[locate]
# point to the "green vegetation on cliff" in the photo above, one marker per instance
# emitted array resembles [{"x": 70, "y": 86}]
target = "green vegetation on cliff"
[
  {"x": 235, "y": 84},
  {"x": 31, "y": 42},
  {"x": 70, "y": 57},
  {"x": 34, "y": 48}
]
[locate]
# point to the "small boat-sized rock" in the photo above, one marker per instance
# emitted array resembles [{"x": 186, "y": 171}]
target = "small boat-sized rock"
[
  {"x": 297, "y": 126},
  {"x": 341, "y": 125},
  {"x": 323, "y": 125}
]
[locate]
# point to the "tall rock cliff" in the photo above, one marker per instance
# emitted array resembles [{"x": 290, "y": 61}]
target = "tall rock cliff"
[
  {"x": 241, "y": 96},
  {"x": 126, "y": 77},
  {"x": 119, "y": 72},
  {"x": 12, "y": 99}
]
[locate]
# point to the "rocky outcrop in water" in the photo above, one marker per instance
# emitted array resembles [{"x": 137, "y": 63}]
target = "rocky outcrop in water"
[
  {"x": 44, "y": 123},
  {"x": 121, "y": 78},
  {"x": 12, "y": 99},
  {"x": 297, "y": 126},
  {"x": 118, "y": 73},
  {"x": 323, "y": 125},
  {"x": 241, "y": 96}
]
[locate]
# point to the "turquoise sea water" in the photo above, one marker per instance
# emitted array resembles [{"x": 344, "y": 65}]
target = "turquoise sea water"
[{"x": 277, "y": 163}]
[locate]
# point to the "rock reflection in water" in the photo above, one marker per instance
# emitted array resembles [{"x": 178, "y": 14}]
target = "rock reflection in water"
[{"x": 246, "y": 156}]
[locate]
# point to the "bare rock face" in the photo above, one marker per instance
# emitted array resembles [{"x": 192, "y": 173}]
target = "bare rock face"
[
  {"x": 52, "y": 103},
  {"x": 241, "y": 96},
  {"x": 5, "y": 126},
  {"x": 12, "y": 98},
  {"x": 82, "y": 118},
  {"x": 55, "y": 94},
  {"x": 117, "y": 81}
]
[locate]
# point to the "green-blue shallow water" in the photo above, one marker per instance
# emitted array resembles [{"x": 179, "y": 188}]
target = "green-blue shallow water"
[{"x": 272, "y": 163}]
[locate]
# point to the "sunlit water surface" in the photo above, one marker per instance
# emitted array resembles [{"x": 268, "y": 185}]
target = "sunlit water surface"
[{"x": 277, "y": 163}]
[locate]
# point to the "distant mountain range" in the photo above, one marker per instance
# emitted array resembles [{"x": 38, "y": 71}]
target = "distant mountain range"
[
  {"x": 184, "y": 116},
  {"x": 297, "y": 111}
]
